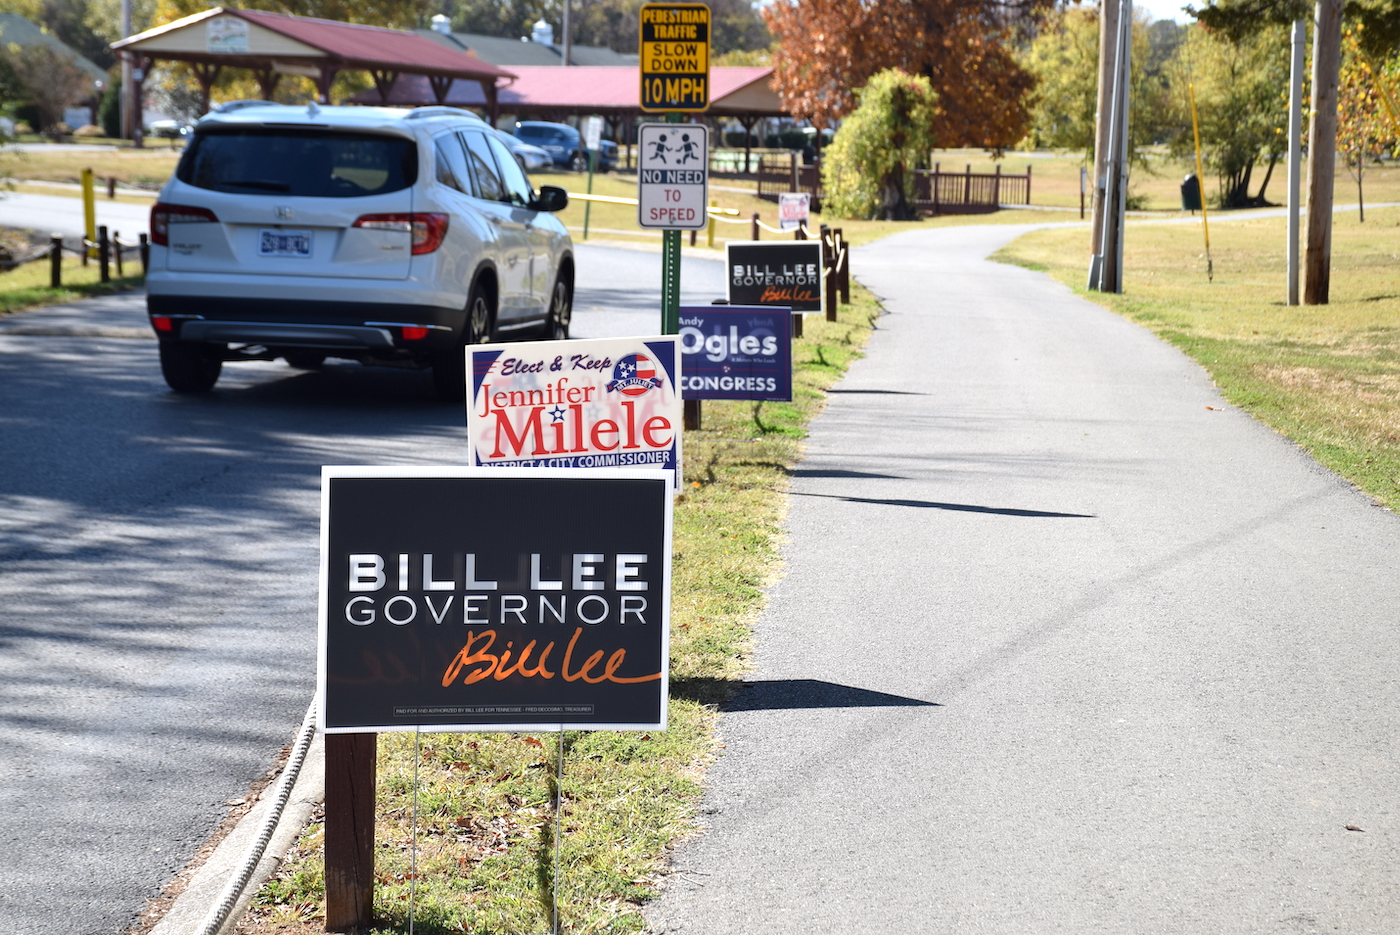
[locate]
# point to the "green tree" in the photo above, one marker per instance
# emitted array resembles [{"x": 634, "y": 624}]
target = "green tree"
[
  {"x": 1242, "y": 102},
  {"x": 734, "y": 24},
  {"x": 51, "y": 80},
  {"x": 1064, "y": 58},
  {"x": 868, "y": 169}
]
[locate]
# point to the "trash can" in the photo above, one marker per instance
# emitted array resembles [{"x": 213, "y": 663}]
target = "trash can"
[{"x": 1191, "y": 193}]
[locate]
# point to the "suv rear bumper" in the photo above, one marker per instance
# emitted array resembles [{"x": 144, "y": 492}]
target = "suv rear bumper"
[{"x": 352, "y": 329}]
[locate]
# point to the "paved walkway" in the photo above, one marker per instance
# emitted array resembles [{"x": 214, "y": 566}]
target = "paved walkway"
[{"x": 1065, "y": 645}]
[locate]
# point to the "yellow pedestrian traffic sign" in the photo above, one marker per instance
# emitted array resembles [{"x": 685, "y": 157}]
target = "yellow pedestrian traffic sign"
[{"x": 675, "y": 57}]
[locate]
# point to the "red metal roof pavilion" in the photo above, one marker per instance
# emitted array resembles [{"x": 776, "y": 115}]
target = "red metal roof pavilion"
[{"x": 273, "y": 44}]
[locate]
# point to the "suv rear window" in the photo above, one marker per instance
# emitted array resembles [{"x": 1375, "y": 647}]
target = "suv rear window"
[{"x": 317, "y": 164}]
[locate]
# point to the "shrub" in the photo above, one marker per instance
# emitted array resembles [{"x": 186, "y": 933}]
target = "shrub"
[
  {"x": 90, "y": 129},
  {"x": 868, "y": 170}
]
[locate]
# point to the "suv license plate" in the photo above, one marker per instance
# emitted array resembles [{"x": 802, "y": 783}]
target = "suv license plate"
[{"x": 284, "y": 243}]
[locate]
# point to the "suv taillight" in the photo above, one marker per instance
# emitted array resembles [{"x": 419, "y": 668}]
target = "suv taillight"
[
  {"x": 428, "y": 229},
  {"x": 163, "y": 215}
]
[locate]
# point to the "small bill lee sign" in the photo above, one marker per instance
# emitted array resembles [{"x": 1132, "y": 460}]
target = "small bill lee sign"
[
  {"x": 733, "y": 352},
  {"x": 783, "y": 273},
  {"x": 607, "y": 403},
  {"x": 474, "y": 599},
  {"x": 794, "y": 209}
]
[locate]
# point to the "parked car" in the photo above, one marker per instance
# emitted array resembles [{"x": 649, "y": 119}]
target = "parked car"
[
  {"x": 531, "y": 158},
  {"x": 384, "y": 236},
  {"x": 565, "y": 145}
]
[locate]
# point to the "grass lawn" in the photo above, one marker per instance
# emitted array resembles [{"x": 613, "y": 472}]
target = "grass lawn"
[
  {"x": 1326, "y": 376},
  {"x": 1055, "y": 178},
  {"x": 27, "y": 286},
  {"x": 148, "y": 168},
  {"x": 485, "y": 827}
]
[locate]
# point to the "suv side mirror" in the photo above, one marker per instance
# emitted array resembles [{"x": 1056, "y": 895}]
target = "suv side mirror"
[{"x": 551, "y": 198}]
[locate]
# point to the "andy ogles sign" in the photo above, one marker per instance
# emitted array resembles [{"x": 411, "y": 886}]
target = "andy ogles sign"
[
  {"x": 612, "y": 402},
  {"x": 736, "y": 352},
  {"x": 493, "y": 599},
  {"x": 783, "y": 273}
]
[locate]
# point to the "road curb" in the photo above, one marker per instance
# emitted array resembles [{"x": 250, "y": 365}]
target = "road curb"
[{"x": 193, "y": 906}]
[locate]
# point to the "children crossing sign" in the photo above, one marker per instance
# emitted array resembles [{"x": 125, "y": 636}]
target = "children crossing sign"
[
  {"x": 673, "y": 178},
  {"x": 675, "y": 57}
]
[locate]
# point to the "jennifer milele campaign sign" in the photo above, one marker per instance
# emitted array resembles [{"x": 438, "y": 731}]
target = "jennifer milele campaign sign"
[
  {"x": 612, "y": 402},
  {"x": 783, "y": 273},
  {"x": 736, "y": 352},
  {"x": 472, "y": 599}
]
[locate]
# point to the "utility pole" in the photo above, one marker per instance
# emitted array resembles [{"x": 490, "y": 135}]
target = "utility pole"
[
  {"x": 127, "y": 118},
  {"x": 1108, "y": 47},
  {"x": 1108, "y": 260},
  {"x": 568, "y": 35},
  {"x": 1322, "y": 150},
  {"x": 1295, "y": 153}
]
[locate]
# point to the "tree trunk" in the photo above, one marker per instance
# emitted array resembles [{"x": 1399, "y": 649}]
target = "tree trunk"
[
  {"x": 1360, "y": 201},
  {"x": 1322, "y": 150},
  {"x": 1259, "y": 199},
  {"x": 1237, "y": 195},
  {"x": 893, "y": 205}
]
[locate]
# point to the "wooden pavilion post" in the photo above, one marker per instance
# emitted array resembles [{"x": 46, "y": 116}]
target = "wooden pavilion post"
[
  {"x": 492, "y": 95},
  {"x": 207, "y": 73},
  {"x": 748, "y": 121},
  {"x": 325, "y": 77},
  {"x": 441, "y": 84},
  {"x": 268, "y": 79},
  {"x": 383, "y": 82}
]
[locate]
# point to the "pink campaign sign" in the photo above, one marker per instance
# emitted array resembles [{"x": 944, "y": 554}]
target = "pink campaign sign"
[{"x": 604, "y": 403}]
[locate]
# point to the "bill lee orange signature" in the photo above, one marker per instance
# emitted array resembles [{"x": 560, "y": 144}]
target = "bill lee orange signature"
[
  {"x": 485, "y": 664},
  {"x": 791, "y": 294}
]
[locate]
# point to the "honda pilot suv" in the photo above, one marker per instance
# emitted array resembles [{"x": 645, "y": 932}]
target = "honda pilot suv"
[{"x": 385, "y": 236}]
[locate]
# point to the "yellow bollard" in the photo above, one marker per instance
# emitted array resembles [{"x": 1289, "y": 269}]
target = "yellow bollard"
[
  {"x": 710, "y": 229},
  {"x": 89, "y": 214}
]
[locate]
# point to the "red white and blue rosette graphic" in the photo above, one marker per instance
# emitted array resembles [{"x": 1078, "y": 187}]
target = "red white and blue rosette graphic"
[{"x": 634, "y": 375}]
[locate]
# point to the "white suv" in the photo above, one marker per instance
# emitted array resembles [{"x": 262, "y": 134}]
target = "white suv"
[{"x": 384, "y": 236}]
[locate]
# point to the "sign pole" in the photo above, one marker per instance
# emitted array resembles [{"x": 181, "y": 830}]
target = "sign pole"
[
  {"x": 671, "y": 270},
  {"x": 588, "y": 205},
  {"x": 350, "y": 778},
  {"x": 674, "y": 59}
]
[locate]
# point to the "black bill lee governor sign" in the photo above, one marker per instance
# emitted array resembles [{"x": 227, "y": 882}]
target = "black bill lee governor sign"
[
  {"x": 788, "y": 274},
  {"x": 494, "y": 598}
]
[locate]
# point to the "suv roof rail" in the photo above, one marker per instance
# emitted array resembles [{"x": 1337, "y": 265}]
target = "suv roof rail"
[
  {"x": 228, "y": 107},
  {"x": 439, "y": 110}
]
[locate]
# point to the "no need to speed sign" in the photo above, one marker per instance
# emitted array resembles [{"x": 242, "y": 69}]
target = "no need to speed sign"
[{"x": 673, "y": 177}]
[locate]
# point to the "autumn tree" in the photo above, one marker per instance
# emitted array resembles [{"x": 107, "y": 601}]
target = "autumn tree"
[
  {"x": 868, "y": 171},
  {"x": 828, "y": 48},
  {"x": 1365, "y": 132}
]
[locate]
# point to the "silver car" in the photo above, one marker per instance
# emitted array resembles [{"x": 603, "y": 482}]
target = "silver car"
[{"x": 379, "y": 235}]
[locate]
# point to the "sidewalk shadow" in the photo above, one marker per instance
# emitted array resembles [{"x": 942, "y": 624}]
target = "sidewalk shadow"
[
  {"x": 955, "y": 507},
  {"x": 788, "y": 694}
]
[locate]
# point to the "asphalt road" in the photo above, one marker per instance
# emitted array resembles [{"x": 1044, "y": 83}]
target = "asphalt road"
[
  {"x": 61, "y": 214},
  {"x": 158, "y": 557},
  {"x": 1065, "y": 644}
]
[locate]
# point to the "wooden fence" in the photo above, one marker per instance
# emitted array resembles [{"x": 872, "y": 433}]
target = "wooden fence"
[
  {"x": 779, "y": 174},
  {"x": 935, "y": 191},
  {"x": 968, "y": 192}
]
